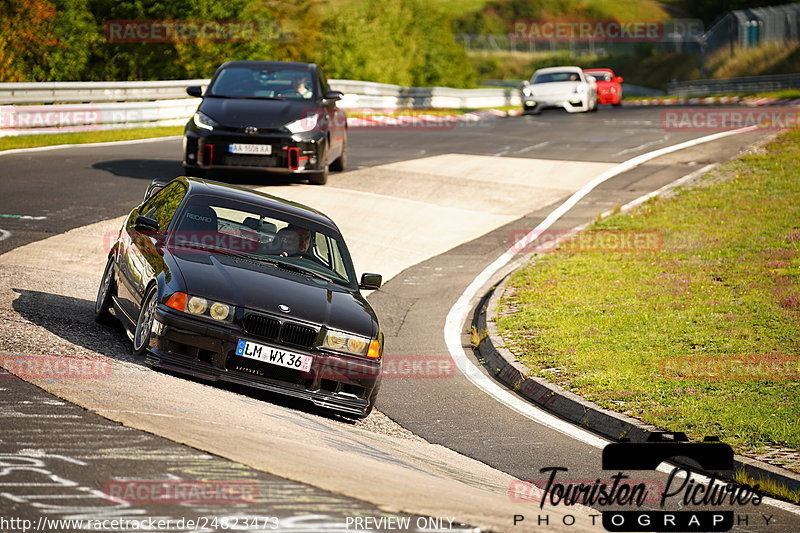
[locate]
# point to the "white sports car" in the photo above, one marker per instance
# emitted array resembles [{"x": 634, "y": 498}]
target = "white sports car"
[{"x": 566, "y": 87}]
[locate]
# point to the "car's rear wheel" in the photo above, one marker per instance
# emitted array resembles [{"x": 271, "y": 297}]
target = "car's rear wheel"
[
  {"x": 144, "y": 325},
  {"x": 102, "y": 304},
  {"x": 319, "y": 178}
]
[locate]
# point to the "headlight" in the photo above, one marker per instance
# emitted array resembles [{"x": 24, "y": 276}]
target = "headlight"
[
  {"x": 197, "y": 305},
  {"x": 307, "y": 123},
  {"x": 580, "y": 89},
  {"x": 204, "y": 121},
  {"x": 200, "y": 306},
  {"x": 220, "y": 311},
  {"x": 340, "y": 341}
]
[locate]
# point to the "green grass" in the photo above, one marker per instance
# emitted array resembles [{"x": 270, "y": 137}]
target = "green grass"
[
  {"x": 32, "y": 141},
  {"x": 768, "y": 486},
  {"x": 617, "y": 328}
]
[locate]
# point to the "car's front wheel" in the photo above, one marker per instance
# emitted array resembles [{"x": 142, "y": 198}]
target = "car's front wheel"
[
  {"x": 144, "y": 325},
  {"x": 102, "y": 304},
  {"x": 340, "y": 164}
]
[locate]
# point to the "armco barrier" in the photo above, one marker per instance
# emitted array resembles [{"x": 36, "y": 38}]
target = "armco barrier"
[{"x": 79, "y": 106}]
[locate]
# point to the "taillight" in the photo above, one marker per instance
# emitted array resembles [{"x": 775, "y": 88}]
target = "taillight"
[
  {"x": 293, "y": 157},
  {"x": 208, "y": 154}
]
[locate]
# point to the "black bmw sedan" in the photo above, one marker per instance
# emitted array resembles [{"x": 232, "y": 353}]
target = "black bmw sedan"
[
  {"x": 267, "y": 116},
  {"x": 225, "y": 283}
]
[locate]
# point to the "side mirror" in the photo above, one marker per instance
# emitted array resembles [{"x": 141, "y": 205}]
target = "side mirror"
[
  {"x": 145, "y": 224},
  {"x": 370, "y": 282},
  {"x": 333, "y": 96},
  {"x": 620, "y": 79},
  {"x": 526, "y": 83},
  {"x": 194, "y": 90},
  {"x": 155, "y": 186}
]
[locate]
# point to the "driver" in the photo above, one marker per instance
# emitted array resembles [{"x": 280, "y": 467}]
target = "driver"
[
  {"x": 301, "y": 88},
  {"x": 293, "y": 241}
]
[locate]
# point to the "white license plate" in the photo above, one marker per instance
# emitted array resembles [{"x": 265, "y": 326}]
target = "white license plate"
[
  {"x": 260, "y": 149},
  {"x": 273, "y": 356}
]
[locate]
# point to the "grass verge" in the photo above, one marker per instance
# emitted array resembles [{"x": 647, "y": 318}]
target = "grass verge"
[
  {"x": 50, "y": 139},
  {"x": 700, "y": 335}
]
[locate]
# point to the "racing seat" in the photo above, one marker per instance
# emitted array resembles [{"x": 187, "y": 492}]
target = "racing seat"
[{"x": 198, "y": 225}]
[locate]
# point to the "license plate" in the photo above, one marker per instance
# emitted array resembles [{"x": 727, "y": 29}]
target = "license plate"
[
  {"x": 259, "y": 149},
  {"x": 273, "y": 356}
]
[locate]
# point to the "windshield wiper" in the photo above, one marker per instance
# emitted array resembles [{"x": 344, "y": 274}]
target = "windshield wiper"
[{"x": 298, "y": 269}]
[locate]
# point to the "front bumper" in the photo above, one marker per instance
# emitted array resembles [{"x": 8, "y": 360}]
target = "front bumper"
[
  {"x": 290, "y": 154},
  {"x": 205, "y": 350},
  {"x": 573, "y": 103}
]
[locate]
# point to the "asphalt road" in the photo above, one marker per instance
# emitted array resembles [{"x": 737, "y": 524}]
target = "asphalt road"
[{"x": 74, "y": 187}]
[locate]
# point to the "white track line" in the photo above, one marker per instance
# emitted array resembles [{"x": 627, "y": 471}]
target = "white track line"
[
  {"x": 106, "y": 143},
  {"x": 460, "y": 310},
  {"x": 4, "y": 234}
]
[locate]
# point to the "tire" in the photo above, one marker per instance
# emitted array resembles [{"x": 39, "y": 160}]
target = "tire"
[
  {"x": 617, "y": 104},
  {"x": 102, "y": 304},
  {"x": 144, "y": 324},
  {"x": 340, "y": 165},
  {"x": 319, "y": 178}
]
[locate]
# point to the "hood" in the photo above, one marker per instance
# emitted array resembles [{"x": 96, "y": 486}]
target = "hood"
[
  {"x": 264, "y": 287},
  {"x": 555, "y": 87},
  {"x": 263, "y": 113}
]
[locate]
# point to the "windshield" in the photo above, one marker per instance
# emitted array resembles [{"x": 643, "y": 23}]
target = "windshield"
[
  {"x": 255, "y": 233},
  {"x": 268, "y": 83},
  {"x": 600, "y": 76},
  {"x": 550, "y": 77}
]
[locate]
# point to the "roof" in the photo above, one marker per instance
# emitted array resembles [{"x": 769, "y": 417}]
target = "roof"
[
  {"x": 559, "y": 69},
  {"x": 225, "y": 190},
  {"x": 268, "y": 64}
]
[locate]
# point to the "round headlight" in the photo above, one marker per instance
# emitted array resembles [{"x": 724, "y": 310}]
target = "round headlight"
[
  {"x": 220, "y": 311},
  {"x": 197, "y": 305},
  {"x": 335, "y": 341},
  {"x": 356, "y": 345}
]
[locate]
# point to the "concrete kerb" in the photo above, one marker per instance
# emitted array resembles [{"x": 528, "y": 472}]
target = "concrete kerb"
[{"x": 501, "y": 363}]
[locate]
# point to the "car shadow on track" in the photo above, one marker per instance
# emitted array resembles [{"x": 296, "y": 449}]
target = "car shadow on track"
[
  {"x": 72, "y": 319},
  {"x": 144, "y": 169},
  {"x": 148, "y": 169}
]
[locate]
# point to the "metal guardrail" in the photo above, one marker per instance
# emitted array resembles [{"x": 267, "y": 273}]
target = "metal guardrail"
[
  {"x": 745, "y": 85},
  {"x": 79, "y": 106},
  {"x": 65, "y": 92}
]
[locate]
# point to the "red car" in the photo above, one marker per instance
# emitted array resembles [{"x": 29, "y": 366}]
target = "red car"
[{"x": 609, "y": 85}]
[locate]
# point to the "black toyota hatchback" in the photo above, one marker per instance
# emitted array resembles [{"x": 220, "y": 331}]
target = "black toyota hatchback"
[
  {"x": 225, "y": 283},
  {"x": 270, "y": 117}
]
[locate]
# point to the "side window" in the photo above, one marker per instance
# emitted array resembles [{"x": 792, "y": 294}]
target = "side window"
[
  {"x": 322, "y": 249},
  {"x": 163, "y": 205},
  {"x": 323, "y": 81}
]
